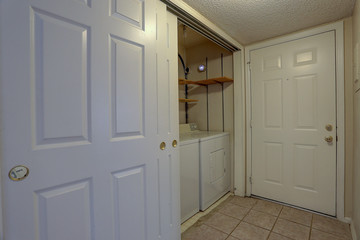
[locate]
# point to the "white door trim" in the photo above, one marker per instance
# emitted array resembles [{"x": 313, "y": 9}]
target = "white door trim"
[
  {"x": 338, "y": 28},
  {"x": 239, "y": 171}
]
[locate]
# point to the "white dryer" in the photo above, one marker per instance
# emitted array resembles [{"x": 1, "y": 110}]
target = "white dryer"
[{"x": 214, "y": 167}]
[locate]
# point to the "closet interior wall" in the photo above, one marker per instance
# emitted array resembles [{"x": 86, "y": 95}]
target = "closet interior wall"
[
  {"x": 213, "y": 103},
  {"x": 182, "y": 52},
  {"x": 214, "y": 110}
]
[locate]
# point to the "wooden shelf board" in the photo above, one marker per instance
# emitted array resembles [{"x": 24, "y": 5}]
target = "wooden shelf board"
[
  {"x": 223, "y": 79},
  {"x": 184, "y": 81},
  {"x": 206, "y": 81},
  {"x": 187, "y": 100}
]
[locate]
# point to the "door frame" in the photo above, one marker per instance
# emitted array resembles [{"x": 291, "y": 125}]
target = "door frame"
[{"x": 338, "y": 28}]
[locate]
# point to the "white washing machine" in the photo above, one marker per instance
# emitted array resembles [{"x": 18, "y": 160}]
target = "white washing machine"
[{"x": 189, "y": 176}]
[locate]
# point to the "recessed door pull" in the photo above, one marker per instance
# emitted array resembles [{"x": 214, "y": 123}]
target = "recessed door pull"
[{"x": 18, "y": 173}]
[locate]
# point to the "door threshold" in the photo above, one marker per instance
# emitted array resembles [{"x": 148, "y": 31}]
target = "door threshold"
[{"x": 293, "y": 206}]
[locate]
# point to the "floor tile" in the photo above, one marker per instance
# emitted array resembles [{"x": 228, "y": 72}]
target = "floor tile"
[
  {"x": 296, "y": 215},
  {"x": 244, "y": 202},
  {"x": 222, "y": 222},
  {"x": 247, "y": 231},
  {"x": 203, "y": 232},
  {"x": 268, "y": 207},
  {"x": 292, "y": 230},
  {"x": 233, "y": 210},
  {"x": 275, "y": 236},
  {"x": 318, "y": 235},
  {"x": 260, "y": 219},
  {"x": 331, "y": 225}
]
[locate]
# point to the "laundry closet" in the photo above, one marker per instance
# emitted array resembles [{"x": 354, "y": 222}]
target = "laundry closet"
[{"x": 206, "y": 117}]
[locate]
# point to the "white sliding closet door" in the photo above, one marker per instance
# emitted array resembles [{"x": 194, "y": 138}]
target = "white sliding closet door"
[
  {"x": 80, "y": 108},
  {"x": 168, "y": 123}
]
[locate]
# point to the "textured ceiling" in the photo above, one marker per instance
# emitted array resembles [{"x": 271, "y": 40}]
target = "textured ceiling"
[{"x": 250, "y": 21}]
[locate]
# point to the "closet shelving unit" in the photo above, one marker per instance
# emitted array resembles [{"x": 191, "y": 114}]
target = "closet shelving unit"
[{"x": 206, "y": 82}]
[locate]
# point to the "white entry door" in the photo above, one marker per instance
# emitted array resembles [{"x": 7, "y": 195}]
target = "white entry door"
[
  {"x": 78, "y": 101},
  {"x": 294, "y": 122}
]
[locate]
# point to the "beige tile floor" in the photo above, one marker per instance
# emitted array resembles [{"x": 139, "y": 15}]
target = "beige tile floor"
[{"x": 238, "y": 218}]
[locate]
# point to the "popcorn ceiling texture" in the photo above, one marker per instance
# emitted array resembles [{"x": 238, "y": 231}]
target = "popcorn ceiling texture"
[{"x": 249, "y": 21}]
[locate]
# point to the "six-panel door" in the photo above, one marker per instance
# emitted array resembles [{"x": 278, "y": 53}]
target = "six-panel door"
[
  {"x": 293, "y": 100},
  {"x": 78, "y": 97}
]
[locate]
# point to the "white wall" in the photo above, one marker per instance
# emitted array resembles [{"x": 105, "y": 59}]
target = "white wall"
[
  {"x": 349, "y": 117},
  {"x": 356, "y": 163}
]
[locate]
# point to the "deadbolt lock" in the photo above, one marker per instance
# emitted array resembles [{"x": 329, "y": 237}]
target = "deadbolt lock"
[
  {"x": 162, "y": 146},
  {"x": 329, "y": 139},
  {"x": 174, "y": 143},
  {"x": 329, "y": 127}
]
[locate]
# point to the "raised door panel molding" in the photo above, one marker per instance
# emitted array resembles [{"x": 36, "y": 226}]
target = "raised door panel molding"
[
  {"x": 129, "y": 193},
  {"x": 305, "y": 109},
  {"x": 131, "y": 11},
  {"x": 64, "y": 212},
  {"x": 60, "y": 80},
  {"x": 274, "y": 158},
  {"x": 305, "y": 167},
  {"x": 273, "y": 103},
  {"x": 127, "y": 86}
]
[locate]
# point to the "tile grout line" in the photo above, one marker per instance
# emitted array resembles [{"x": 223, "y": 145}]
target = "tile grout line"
[
  {"x": 252, "y": 207},
  {"x": 282, "y": 207},
  {"x": 311, "y": 224},
  {"x": 216, "y": 229},
  {"x": 326, "y": 232},
  {"x": 242, "y": 220},
  {"x": 195, "y": 218},
  {"x": 228, "y": 234},
  {"x": 298, "y": 209}
]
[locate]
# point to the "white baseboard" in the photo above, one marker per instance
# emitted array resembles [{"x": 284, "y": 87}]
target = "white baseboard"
[
  {"x": 346, "y": 220},
  {"x": 239, "y": 193},
  {"x": 353, "y": 232},
  {"x": 352, "y": 228}
]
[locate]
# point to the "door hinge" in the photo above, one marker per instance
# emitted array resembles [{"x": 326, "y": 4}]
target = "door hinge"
[
  {"x": 249, "y": 63},
  {"x": 251, "y": 123},
  {"x": 337, "y": 138},
  {"x": 250, "y": 180}
]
